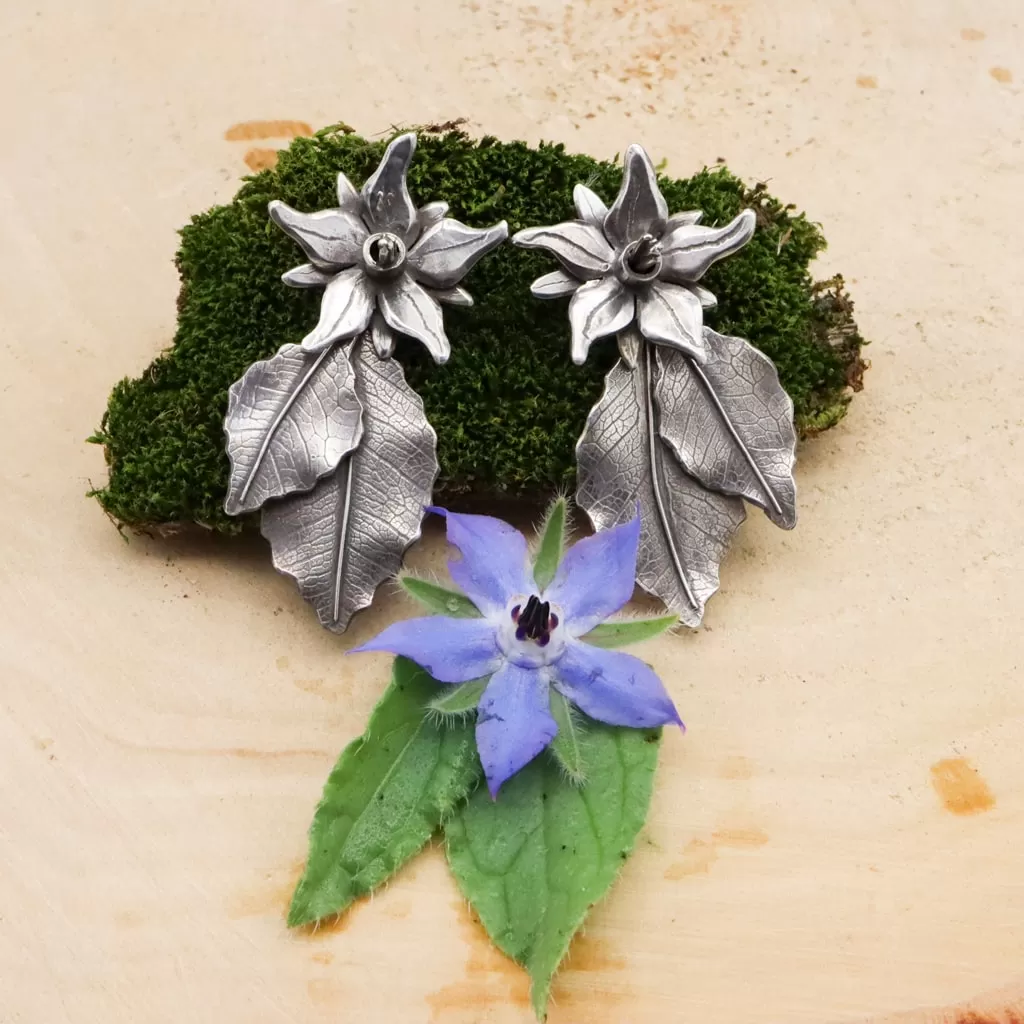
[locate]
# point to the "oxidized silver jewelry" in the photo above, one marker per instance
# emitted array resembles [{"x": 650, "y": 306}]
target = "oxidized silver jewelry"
[
  {"x": 691, "y": 421},
  {"x": 327, "y": 437}
]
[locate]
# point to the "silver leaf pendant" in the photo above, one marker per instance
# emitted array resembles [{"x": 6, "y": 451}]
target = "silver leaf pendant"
[
  {"x": 341, "y": 540},
  {"x": 326, "y": 436},
  {"x": 293, "y": 418},
  {"x": 624, "y": 463},
  {"x": 691, "y": 421},
  {"x": 730, "y": 423}
]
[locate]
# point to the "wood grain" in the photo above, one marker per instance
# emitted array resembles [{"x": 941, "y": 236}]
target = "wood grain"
[{"x": 836, "y": 839}]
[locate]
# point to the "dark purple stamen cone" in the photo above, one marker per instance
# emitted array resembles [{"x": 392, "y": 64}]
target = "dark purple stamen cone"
[{"x": 533, "y": 622}]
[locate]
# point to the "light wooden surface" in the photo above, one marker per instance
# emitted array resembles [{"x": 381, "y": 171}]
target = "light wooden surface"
[{"x": 839, "y": 836}]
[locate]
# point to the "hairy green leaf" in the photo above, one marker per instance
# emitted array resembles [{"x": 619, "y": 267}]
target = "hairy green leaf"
[
  {"x": 459, "y": 700},
  {"x": 552, "y": 544},
  {"x": 440, "y": 600},
  {"x": 566, "y": 746},
  {"x": 628, "y": 631},
  {"x": 389, "y": 791},
  {"x": 534, "y": 861}
]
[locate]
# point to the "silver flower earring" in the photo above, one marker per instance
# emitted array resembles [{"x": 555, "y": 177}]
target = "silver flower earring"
[
  {"x": 691, "y": 421},
  {"x": 327, "y": 437}
]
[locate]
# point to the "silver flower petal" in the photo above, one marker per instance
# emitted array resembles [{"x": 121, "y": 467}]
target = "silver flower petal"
[
  {"x": 448, "y": 251},
  {"x": 307, "y": 276},
  {"x": 330, "y": 238},
  {"x": 554, "y": 285},
  {"x": 672, "y": 315},
  {"x": 639, "y": 208},
  {"x": 381, "y": 335},
  {"x": 410, "y": 309},
  {"x": 686, "y": 217},
  {"x": 688, "y": 249},
  {"x": 581, "y": 248},
  {"x": 598, "y": 308},
  {"x": 389, "y": 207},
  {"x": 589, "y": 206},
  {"x": 452, "y": 296},
  {"x": 345, "y": 310},
  {"x": 349, "y": 198},
  {"x": 429, "y": 215},
  {"x": 707, "y": 298}
]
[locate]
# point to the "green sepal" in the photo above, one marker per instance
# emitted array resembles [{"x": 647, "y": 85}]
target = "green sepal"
[
  {"x": 629, "y": 631},
  {"x": 459, "y": 700},
  {"x": 566, "y": 747},
  {"x": 440, "y": 600},
  {"x": 535, "y": 860},
  {"x": 551, "y": 544},
  {"x": 388, "y": 793}
]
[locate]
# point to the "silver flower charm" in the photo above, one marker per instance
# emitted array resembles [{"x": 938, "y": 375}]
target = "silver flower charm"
[
  {"x": 634, "y": 261},
  {"x": 327, "y": 437},
  {"x": 691, "y": 421},
  {"x": 382, "y": 260}
]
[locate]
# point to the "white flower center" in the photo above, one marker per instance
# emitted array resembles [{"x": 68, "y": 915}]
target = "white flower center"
[{"x": 531, "y": 635}]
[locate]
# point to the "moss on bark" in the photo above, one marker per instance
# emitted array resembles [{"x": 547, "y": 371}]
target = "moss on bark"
[{"x": 509, "y": 405}]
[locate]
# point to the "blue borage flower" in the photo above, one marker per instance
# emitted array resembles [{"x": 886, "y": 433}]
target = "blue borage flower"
[{"x": 530, "y": 639}]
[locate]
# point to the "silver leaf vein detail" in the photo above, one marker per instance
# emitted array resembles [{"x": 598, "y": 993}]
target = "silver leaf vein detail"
[
  {"x": 291, "y": 419},
  {"x": 341, "y": 540},
  {"x": 624, "y": 464},
  {"x": 730, "y": 423}
]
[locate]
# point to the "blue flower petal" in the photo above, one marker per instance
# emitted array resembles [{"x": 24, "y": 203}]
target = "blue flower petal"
[
  {"x": 613, "y": 687},
  {"x": 596, "y": 577},
  {"x": 495, "y": 561},
  {"x": 451, "y": 650},
  {"x": 514, "y": 722}
]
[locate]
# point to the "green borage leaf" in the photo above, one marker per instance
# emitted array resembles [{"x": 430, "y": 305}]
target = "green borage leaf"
[
  {"x": 533, "y": 862},
  {"x": 629, "y": 631},
  {"x": 389, "y": 791},
  {"x": 551, "y": 543},
  {"x": 438, "y": 599}
]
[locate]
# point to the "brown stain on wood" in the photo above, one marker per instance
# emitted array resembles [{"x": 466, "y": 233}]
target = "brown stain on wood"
[
  {"x": 655, "y": 43},
  {"x": 740, "y": 837},
  {"x": 336, "y": 924},
  {"x": 327, "y": 691},
  {"x": 1001, "y": 75},
  {"x": 582, "y": 984},
  {"x": 960, "y": 787},
  {"x": 590, "y": 953},
  {"x": 700, "y": 854},
  {"x": 737, "y": 767},
  {"x": 259, "y": 159},
  {"x": 491, "y": 978},
  {"x": 327, "y": 991},
  {"x": 1009, "y": 1017},
  {"x": 322, "y": 956},
  {"x": 867, "y": 81},
  {"x": 282, "y": 662},
  {"x": 250, "y": 131},
  {"x": 271, "y": 897},
  {"x": 398, "y": 908},
  {"x": 972, "y": 35}
]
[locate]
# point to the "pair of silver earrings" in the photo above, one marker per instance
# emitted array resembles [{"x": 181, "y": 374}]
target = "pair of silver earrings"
[{"x": 330, "y": 441}]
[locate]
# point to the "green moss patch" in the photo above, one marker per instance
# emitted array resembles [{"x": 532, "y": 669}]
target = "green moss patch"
[{"x": 509, "y": 405}]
